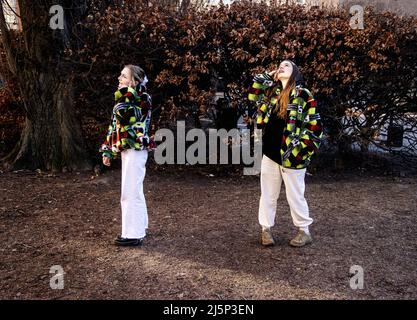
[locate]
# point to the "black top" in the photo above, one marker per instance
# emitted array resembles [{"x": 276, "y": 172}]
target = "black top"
[{"x": 272, "y": 138}]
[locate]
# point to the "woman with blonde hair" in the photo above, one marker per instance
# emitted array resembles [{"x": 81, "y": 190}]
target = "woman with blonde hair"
[
  {"x": 128, "y": 136},
  {"x": 292, "y": 134}
]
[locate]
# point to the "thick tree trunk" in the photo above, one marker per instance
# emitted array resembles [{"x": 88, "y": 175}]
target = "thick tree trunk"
[{"x": 51, "y": 138}]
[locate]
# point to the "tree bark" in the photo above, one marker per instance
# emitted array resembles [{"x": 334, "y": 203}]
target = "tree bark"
[{"x": 51, "y": 138}]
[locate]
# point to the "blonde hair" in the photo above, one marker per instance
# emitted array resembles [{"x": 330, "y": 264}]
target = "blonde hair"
[{"x": 138, "y": 75}]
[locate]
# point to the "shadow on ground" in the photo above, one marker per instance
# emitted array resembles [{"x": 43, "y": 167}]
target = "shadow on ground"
[{"x": 203, "y": 239}]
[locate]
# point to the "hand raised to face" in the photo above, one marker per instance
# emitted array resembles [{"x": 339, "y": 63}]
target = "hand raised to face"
[{"x": 274, "y": 74}]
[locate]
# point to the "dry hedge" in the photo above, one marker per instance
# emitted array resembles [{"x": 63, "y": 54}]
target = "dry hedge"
[{"x": 370, "y": 72}]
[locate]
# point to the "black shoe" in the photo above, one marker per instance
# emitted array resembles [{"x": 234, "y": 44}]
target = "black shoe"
[{"x": 126, "y": 242}]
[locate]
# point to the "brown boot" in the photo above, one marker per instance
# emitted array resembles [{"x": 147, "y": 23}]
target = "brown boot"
[
  {"x": 266, "y": 238},
  {"x": 301, "y": 239}
]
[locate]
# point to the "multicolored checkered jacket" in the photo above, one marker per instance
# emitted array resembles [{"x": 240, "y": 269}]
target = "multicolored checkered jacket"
[
  {"x": 303, "y": 131},
  {"x": 130, "y": 123}
]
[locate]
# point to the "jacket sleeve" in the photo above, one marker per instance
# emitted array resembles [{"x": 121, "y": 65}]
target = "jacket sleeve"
[
  {"x": 121, "y": 115},
  {"x": 311, "y": 128},
  {"x": 145, "y": 120},
  {"x": 106, "y": 148},
  {"x": 125, "y": 113},
  {"x": 126, "y": 110},
  {"x": 261, "y": 83},
  {"x": 257, "y": 91},
  {"x": 145, "y": 109}
]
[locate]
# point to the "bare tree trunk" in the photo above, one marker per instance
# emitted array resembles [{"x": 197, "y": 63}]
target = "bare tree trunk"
[{"x": 51, "y": 138}]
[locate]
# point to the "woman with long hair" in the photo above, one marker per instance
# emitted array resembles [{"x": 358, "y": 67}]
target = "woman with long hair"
[
  {"x": 128, "y": 136},
  {"x": 292, "y": 134}
]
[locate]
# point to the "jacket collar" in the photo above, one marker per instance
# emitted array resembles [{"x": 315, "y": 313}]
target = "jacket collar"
[{"x": 125, "y": 92}]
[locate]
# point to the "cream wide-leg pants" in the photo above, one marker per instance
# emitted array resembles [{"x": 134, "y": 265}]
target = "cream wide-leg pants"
[
  {"x": 134, "y": 211},
  {"x": 272, "y": 175}
]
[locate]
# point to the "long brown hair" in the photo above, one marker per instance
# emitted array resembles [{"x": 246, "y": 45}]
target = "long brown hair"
[{"x": 295, "y": 79}]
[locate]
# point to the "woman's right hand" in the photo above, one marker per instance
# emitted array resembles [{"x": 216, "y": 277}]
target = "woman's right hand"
[{"x": 106, "y": 161}]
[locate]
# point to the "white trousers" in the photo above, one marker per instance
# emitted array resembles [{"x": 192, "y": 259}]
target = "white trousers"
[
  {"x": 272, "y": 175},
  {"x": 134, "y": 211}
]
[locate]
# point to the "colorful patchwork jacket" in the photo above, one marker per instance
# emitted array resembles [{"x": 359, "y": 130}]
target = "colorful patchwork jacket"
[
  {"x": 130, "y": 123},
  {"x": 303, "y": 132}
]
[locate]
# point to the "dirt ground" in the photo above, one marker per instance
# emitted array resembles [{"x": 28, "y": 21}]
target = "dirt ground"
[{"x": 203, "y": 238}]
